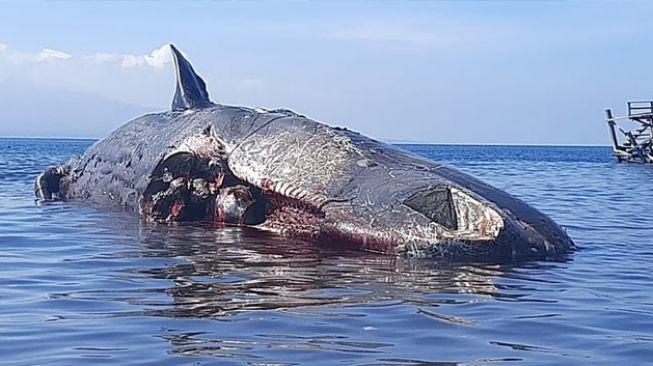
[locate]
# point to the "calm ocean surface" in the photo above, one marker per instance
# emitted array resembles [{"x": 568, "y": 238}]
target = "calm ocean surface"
[{"x": 85, "y": 286}]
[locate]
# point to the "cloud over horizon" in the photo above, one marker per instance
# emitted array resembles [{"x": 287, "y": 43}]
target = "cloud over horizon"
[
  {"x": 44, "y": 55},
  {"x": 106, "y": 74},
  {"x": 156, "y": 59}
]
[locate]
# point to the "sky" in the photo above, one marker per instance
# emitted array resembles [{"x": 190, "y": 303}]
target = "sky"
[{"x": 486, "y": 72}]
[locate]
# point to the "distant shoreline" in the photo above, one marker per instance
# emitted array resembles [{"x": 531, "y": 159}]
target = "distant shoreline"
[
  {"x": 48, "y": 138},
  {"x": 386, "y": 141}
]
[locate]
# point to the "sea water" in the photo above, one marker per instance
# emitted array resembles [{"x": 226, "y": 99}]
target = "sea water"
[{"x": 82, "y": 285}]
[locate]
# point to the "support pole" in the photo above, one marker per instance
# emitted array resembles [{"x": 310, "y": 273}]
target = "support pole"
[{"x": 612, "y": 124}]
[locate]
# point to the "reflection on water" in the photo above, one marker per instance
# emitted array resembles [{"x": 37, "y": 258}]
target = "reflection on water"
[
  {"x": 230, "y": 270},
  {"x": 223, "y": 272},
  {"x": 80, "y": 285},
  {"x": 240, "y": 276}
]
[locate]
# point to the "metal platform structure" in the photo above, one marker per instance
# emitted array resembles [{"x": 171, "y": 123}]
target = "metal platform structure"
[{"x": 637, "y": 146}]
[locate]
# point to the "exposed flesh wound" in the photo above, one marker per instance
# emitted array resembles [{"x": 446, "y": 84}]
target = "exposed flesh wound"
[{"x": 186, "y": 187}]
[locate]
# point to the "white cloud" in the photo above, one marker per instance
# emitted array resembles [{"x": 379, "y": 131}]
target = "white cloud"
[
  {"x": 156, "y": 59},
  {"x": 48, "y": 54},
  {"x": 45, "y": 55},
  {"x": 98, "y": 72},
  {"x": 129, "y": 61}
]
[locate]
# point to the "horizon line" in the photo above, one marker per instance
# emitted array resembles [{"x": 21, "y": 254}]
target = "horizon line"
[{"x": 384, "y": 140}]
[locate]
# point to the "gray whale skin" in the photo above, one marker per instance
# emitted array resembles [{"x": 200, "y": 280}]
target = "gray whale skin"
[{"x": 280, "y": 171}]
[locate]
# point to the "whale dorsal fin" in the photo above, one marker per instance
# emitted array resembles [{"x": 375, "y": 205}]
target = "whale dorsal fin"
[{"x": 191, "y": 89}]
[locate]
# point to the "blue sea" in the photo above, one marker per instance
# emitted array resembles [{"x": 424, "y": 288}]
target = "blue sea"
[{"x": 86, "y": 286}]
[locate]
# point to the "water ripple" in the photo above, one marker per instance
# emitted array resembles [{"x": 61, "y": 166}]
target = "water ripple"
[{"x": 80, "y": 285}]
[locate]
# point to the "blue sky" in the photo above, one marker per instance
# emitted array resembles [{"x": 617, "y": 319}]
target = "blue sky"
[{"x": 531, "y": 72}]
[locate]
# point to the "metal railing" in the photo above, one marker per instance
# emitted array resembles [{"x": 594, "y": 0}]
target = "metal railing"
[{"x": 638, "y": 144}]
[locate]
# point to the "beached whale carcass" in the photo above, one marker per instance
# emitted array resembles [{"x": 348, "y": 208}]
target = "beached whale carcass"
[{"x": 279, "y": 170}]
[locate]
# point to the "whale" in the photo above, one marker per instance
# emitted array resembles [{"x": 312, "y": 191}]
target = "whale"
[{"x": 279, "y": 171}]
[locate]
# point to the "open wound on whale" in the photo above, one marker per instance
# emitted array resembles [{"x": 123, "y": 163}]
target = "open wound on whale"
[
  {"x": 47, "y": 184},
  {"x": 188, "y": 187},
  {"x": 194, "y": 183}
]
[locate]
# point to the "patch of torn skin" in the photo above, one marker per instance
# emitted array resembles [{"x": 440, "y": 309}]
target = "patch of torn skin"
[
  {"x": 204, "y": 145},
  {"x": 457, "y": 218},
  {"x": 475, "y": 217}
]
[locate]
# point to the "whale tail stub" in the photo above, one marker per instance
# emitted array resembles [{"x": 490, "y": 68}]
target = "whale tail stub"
[{"x": 191, "y": 90}]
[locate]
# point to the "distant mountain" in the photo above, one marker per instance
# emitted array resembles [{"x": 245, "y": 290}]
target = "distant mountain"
[{"x": 32, "y": 111}]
